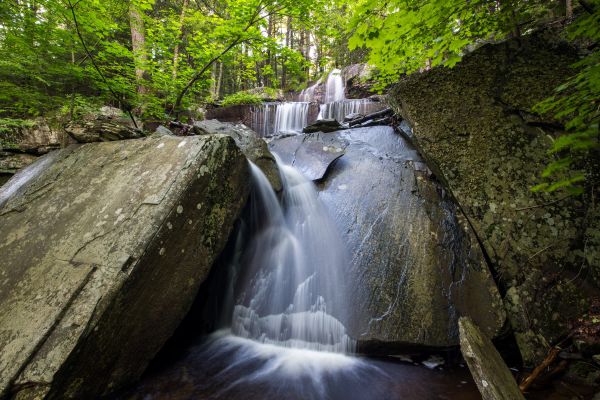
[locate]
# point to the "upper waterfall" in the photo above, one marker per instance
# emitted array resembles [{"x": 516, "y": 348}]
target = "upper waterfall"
[{"x": 334, "y": 89}]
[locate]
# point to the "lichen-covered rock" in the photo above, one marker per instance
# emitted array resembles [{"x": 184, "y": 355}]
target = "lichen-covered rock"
[
  {"x": 357, "y": 80},
  {"x": 254, "y": 148},
  {"x": 101, "y": 131},
  {"x": 414, "y": 267},
  {"x": 32, "y": 136},
  {"x": 12, "y": 162},
  {"x": 475, "y": 127},
  {"x": 103, "y": 251},
  {"x": 490, "y": 373}
]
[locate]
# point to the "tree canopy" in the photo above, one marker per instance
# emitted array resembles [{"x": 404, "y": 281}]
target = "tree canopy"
[{"x": 158, "y": 58}]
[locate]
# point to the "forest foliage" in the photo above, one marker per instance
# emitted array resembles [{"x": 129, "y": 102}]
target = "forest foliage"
[
  {"x": 404, "y": 36},
  {"x": 160, "y": 58}
]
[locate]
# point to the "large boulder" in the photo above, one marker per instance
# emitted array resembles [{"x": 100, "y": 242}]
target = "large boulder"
[
  {"x": 414, "y": 265},
  {"x": 475, "y": 126},
  {"x": 490, "y": 373},
  {"x": 253, "y": 147},
  {"x": 103, "y": 252}
]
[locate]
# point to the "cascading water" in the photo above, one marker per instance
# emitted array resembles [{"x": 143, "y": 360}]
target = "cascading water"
[
  {"x": 271, "y": 119},
  {"x": 294, "y": 268},
  {"x": 336, "y": 106},
  {"x": 291, "y": 117},
  {"x": 334, "y": 88}
]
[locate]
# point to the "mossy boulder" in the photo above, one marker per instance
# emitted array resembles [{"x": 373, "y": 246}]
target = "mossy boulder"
[
  {"x": 104, "y": 247},
  {"x": 475, "y": 126}
]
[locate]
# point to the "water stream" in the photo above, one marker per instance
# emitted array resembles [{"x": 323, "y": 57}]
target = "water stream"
[{"x": 282, "y": 334}]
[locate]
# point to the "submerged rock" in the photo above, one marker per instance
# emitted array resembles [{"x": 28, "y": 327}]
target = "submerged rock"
[
  {"x": 491, "y": 375},
  {"x": 103, "y": 250},
  {"x": 254, "y": 148},
  {"x": 475, "y": 126},
  {"x": 414, "y": 267}
]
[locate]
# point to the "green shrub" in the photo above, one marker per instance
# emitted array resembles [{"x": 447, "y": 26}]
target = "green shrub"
[{"x": 241, "y": 98}]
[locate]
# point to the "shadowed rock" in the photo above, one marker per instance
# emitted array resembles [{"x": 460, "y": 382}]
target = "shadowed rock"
[
  {"x": 253, "y": 147},
  {"x": 475, "y": 126},
  {"x": 103, "y": 251},
  {"x": 323, "y": 125},
  {"x": 311, "y": 154},
  {"x": 491, "y": 375}
]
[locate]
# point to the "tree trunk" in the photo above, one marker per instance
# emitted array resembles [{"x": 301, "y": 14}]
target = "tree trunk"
[
  {"x": 219, "y": 77},
  {"x": 569, "y": 9},
  {"x": 176, "y": 50},
  {"x": 138, "y": 44}
]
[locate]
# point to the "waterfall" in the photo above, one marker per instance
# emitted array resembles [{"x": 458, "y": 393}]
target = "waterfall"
[
  {"x": 291, "y": 117},
  {"x": 263, "y": 116},
  {"x": 293, "y": 287},
  {"x": 339, "y": 109},
  {"x": 270, "y": 119},
  {"x": 334, "y": 89},
  {"x": 336, "y": 106}
]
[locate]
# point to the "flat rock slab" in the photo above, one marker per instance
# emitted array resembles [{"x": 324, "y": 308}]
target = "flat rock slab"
[
  {"x": 491, "y": 375},
  {"x": 414, "y": 266},
  {"x": 254, "y": 147},
  {"x": 103, "y": 252},
  {"x": 312, "y": 154}
]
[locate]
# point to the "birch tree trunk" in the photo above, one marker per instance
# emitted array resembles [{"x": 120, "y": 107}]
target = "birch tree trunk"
[
  {"x": 138, "y": 44},
  {"x": 176, "y": 50}
]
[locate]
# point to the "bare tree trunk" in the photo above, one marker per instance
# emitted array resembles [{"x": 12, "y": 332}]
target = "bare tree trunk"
[
  {"x": 138, "y": 43},
  {"x": 176, "y": 50}
]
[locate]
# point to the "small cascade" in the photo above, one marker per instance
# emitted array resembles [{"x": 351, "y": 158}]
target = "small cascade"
[
  {"x": 336, "y": 106},
  {"x": 339, "y": 109},
  {"x": 334, "y": 88},
  {"x": 293, "y": 287},
  {"x": 271, "y": 119},
  {"x": 291, "y": 117},
  {"x": 263, "y": 117}
]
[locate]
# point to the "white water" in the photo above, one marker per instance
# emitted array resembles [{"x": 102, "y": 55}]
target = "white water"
[
  {"x": 339, "y": 109},
  {"x": 293, "y": 293},
  {"x": 291, "y": 117},
  {"x": 271, "y": 119},
  {"x": 336, "y": 106},
  {"x": 334, "y": 88}
]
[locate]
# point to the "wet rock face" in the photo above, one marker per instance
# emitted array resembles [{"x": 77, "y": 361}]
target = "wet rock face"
[
  {"x": 103, "y": 251},
  {"x": 474, "y": 125},
  {"x": 491, "y": 375},
  {"x": 311, "y": 154},
  {"x": 413, "y": 266},
  {"x": 252, "y": 146}
]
